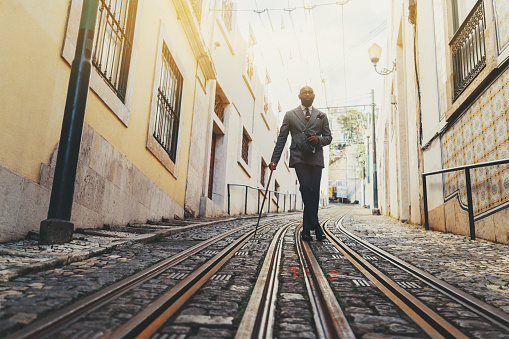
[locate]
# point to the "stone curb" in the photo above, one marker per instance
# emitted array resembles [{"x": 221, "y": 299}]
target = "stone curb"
[
  {"x": 54, "y": 260},
  {"x": 50, "y": 260}
]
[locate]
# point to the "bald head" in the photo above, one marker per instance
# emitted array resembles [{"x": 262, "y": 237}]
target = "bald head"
[{"x": 306, "y": 96}]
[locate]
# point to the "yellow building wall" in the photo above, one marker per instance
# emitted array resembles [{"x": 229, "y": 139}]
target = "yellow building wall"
[
  {"x": 33, "y": 83},
  {"x": 36, "y": 77}
]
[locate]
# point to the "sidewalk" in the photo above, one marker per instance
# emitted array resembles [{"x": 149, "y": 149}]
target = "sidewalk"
[
  {"x": 24, "y": 256},
  {"x": 478, "y": 267}
]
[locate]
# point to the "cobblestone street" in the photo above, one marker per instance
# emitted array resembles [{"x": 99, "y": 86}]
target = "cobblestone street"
[{"x": 90, "y": 263}]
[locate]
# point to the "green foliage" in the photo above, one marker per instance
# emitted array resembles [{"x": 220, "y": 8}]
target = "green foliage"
[{"x": 353, "y": 123}]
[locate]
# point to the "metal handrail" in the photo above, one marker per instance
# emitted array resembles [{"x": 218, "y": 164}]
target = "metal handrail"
[
  {"x": 467, "y": 169},
  {"x": 262, "y": 191}
]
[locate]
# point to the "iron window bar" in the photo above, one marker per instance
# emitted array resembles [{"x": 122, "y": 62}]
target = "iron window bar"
[
  {"x": 470, "y": 207},
  {"x": 261, "y": 192},
  {"x": 169, "y": 96},
  {"x": 219, "y": 107},
  {"x": 468, "y": 50},
  {"x": 245, "y": 148},
  {"x": 113, "y": 42}
]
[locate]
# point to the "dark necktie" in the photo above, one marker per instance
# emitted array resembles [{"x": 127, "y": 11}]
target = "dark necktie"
[{"x": 308, "y": 114}]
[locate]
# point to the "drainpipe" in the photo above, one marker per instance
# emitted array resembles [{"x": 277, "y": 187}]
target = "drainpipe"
[{"x": 57, "y": 228}]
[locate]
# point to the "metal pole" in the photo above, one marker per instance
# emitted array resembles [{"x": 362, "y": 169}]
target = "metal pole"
[
  {"x": 284, "y": 203},
  {"x": 57, "y": 228},
  {"x": 228, "y": 198},
  {"x": 470, "y": 204},
  {"x": 425, "y": 198},
  {"x": 268, "y": 205},
  {"x": 258, "y": 201},
  {"x": 245, "y": 203},
  {"x": 277, "y": 203},
  {"x": 364, "y": 186},
  {"x": 375, "y": 190}
]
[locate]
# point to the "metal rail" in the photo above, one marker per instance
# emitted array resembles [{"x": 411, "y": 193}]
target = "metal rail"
[
  {"x": 467, "y": 169},
  {"x": 429, "y": 321},
  {"x": 329, "y": 319},
  {"x": 60, "y": 319},
  {"x": 484, "y": 310},
  {"x": 147, "y": 322},
  {"x": 258, "y": 319}
]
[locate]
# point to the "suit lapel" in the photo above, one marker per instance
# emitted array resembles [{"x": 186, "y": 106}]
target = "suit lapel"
[{"x": 300, "y": 115}]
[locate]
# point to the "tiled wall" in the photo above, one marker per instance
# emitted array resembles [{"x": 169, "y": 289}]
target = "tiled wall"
[
  {"x": 481, "y": 134},
  {"x": 501, "y": 14}
]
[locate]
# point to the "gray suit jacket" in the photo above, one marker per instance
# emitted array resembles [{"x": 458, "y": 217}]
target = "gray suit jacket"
[{"x": 295, "y": 123}]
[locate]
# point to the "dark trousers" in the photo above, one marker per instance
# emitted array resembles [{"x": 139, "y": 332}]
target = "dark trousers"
[{"x": 309, "y": 179}]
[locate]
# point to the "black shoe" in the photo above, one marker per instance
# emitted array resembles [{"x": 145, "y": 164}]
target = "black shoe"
[
  {"x": 319, "y": 233},
  {"x": 305, "y": 235}
]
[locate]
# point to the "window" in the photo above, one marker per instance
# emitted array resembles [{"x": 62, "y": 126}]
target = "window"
[
  {"x": 197, "y": 9},
  {"x": 250, "y": 56},
  {"x": 245, "y": 147},
  {"x": 113, "y": 39},
  {"x": 169, "y": 95},
  {"x": 263, "y": 171},
  {"x": 227, "y": 9},
  {"x": 219, "y": 106},
  {"x": 460, "y": 10},
  {"x": 266, "y": 93}
]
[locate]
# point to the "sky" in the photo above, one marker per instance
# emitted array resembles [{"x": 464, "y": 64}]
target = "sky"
[{"x": 343, "y": 32}]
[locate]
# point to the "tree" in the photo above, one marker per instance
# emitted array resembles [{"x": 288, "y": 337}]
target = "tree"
[{"x": 353, "y": 123}]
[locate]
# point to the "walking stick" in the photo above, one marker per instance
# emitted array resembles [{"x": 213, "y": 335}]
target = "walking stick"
[{"x": 263, "y": 202}]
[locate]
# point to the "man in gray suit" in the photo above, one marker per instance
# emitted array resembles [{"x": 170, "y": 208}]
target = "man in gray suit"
[{"x": 310, "y": 131}]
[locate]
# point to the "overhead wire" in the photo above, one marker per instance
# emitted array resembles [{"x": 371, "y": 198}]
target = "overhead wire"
[
  {"x": 372, "y": 34},
  {"x": 287, "y": 9}
]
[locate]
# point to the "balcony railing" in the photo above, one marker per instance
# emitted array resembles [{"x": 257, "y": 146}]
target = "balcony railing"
[{"x": 467, "y": 47}]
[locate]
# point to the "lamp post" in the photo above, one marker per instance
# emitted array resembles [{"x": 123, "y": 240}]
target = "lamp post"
[
  {"x": 375, "y": 188},
  {"x": 375, "y": 52}
]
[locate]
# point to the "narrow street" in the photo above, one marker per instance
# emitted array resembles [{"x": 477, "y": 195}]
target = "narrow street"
[{"x": 218, "y": 306}]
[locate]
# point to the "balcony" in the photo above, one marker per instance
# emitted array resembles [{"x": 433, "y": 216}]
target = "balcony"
[{"x": 468, "y": 50}]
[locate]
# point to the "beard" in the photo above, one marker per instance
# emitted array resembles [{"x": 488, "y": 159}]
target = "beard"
[{"x": 307, "y": 102}]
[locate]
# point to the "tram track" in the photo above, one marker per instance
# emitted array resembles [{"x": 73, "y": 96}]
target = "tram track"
[
  {"x": 46, "y": 326},
  {"x": 259, "y": 319},
  {"x": 426, "y": 317}
]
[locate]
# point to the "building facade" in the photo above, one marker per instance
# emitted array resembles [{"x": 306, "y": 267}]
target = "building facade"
[
  {"x": 446, "y": 106},
  {"x": 175, "y": 113}
]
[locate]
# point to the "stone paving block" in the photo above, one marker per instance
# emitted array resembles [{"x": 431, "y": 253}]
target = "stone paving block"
[{"x": 203, "y": 320}]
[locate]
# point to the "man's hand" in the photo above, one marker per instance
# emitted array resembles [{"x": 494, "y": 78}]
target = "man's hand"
[
  {"x": 273, "y": 165},
  {"x": 313, "y": 140}
]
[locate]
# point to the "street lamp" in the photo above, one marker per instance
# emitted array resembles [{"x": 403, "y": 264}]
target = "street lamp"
[{"x": 375, "y": 52}]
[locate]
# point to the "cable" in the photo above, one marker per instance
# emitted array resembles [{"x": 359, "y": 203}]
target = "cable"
[{"x": 287, "y": 9}]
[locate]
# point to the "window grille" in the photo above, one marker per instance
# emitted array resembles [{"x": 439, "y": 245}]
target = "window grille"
[
  {"x": 114, "y": 33},
  {"x": 245, "y": 147},
  {"x": 169, "y": 95},
  {"x": 468, "y": 52},
  {"x": 219, "y": 108},
  {"x": 227, "y": 13}
]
